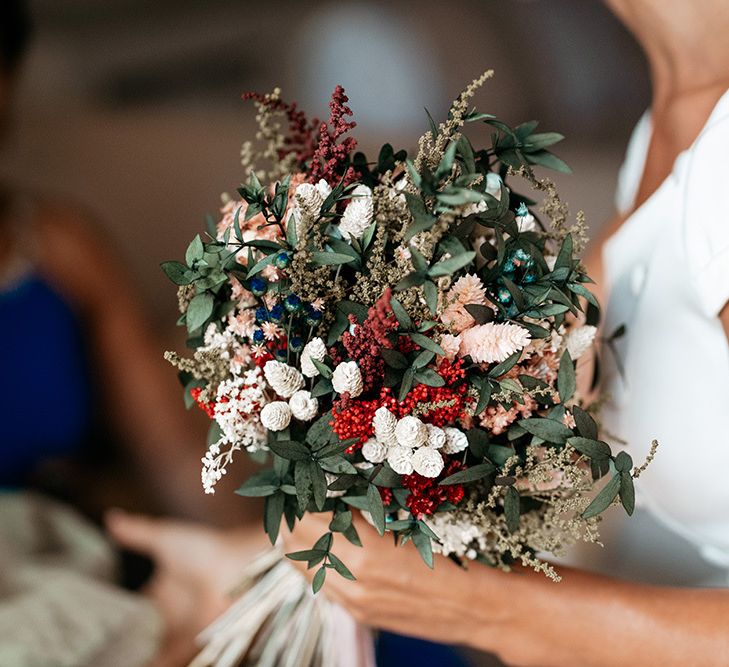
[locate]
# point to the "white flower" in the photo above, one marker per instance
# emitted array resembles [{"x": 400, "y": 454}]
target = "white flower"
[
  {"x": 579, "y": 340},
  {"x": 308, "y": 199},
  {"x": 526, "y": 223},
  {"x": 411, "y": 432},
  {"x": 384, "y": 423},
  {"x": 374, "y": 451},
  {"x": 493, "y": 185},
  {"x": 285, "y": 380},
  {"x": 347, "y": 378},
  {"x": 358, "y": 214},
  {"x": 427, "y": 462},
  {"x": 303, "y": 405},
  {"x": 314, "y": 349},
  {"x": 400, "y": 459},
  {"x": 436, "y": 436},
  {"x": 276, "y": 416},
  {"x": 456, "y": 441}
]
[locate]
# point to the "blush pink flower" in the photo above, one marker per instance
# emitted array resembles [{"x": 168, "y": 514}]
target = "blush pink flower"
[
  {"x": 489, "y": 343},
  {"x": 271, "y": 330},
  {"x": 450, "y": 344},
  {"x": 467, "y": 290}
]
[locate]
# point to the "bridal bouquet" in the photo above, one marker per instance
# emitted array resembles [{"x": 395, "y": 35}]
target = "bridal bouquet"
[{"x": 399, "y": 337}]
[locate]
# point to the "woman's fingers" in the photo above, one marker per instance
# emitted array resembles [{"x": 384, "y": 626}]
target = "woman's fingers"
[{"x": 135, "y": 532}]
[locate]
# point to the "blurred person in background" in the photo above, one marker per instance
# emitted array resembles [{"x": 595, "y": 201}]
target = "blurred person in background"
[{"x": 80, "y": 372}]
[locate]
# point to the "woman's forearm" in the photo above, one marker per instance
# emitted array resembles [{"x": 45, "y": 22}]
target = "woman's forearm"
[{"x": 592, "y": 621}]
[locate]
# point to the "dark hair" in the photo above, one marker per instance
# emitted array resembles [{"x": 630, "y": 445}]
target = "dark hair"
[{"x": 15, "y": 27}]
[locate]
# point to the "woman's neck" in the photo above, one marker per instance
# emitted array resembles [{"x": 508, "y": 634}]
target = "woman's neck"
[{"x": 685, "y": 42}]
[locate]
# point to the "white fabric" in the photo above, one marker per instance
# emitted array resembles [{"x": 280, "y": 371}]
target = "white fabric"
[{"x": 667, "y": 276}]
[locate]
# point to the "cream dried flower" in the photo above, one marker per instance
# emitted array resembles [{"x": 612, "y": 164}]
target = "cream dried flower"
[
  {"x": 400, "y": 459},
  {"x": 411, "y": 432},
  {"x": 427, "y": 462},
  {"x": 374, "y": 451},
  {"x": 436, "y": 436},
  {"x": 358, "y": 214},
  {"x": 450, "y": 345},
  {"x": 285, "y": 380},
  {"x": 347, "y": 378},
  {"x": 456, "y": 440},
  {"x": 314, "y": 349},
  {"x": 579, "y": 340},
  {"x": 303, "y": 405},
  {"x": 490, "y": 342},
  {"x": 384, "y": 423},
  {"x": 276, "y": 416}
]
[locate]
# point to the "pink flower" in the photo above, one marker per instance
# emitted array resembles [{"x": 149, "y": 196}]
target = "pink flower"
[
  {"x": 489, "y": 343},
  {"x": 243, "y": 323},
  {"x": 450, "y": 345},
  {"x": 271, "y": 330},
  {"x": 467, "y": 290}
]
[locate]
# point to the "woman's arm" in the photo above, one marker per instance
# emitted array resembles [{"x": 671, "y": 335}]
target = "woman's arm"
[
  {"x": 586, "y": 620},
  {"x": 141, "y": 394}
]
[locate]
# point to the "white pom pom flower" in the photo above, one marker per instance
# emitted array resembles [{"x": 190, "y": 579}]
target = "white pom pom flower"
[
  {"x": 374, "y": 451},
  {"x": 303, "y": 405},
  {"x": 314, "y": 349},
  {"x": 411, "y": 432},
  {"x": 400, "y": 459},
  {"x": 347, "y": 378},
  {"x": 276, "y": 416},
  {"x": 427, "y": 462},
  {"x": 358, "y": 214},
  {"x": 579, "y": 340},
  {"x": 285, "y": 380},
  {"x": 384, "y": 423},
  {"x": 456, "y": 441},
  {"x": 436, "y": 437}
]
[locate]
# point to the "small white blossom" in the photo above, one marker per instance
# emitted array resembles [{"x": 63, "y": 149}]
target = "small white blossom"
[
  {"x": 493, "y": 185},
  {"x": 374, "y": 451},
  {"x": 285, "y": 380},
  {"x": 400, "y": 459},
  {"x": 436, "y": 436},
  {"x": 303, "y": 405},
  {"x": 276, "y": 416},
  {"x": 427, "y": 462},
  {"x": 384, "y": 423},
  {"x": 526, "y": 223},
  {"x": 347, "y": 378},
  {"x": 579, "y": 340},
  {"x": 314, "y": 349},
  {"x": 456, "y": 440},
  {"x": 411, "y": 432},
  {"x": 358, "y": 214}
]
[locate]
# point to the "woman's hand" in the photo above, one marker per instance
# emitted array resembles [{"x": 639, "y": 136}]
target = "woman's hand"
[
  {"x": 396, "y": 591},
  {"x": 196, "y": 568}
]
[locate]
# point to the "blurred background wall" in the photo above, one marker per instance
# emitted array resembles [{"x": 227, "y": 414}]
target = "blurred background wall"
[{"x": 132, "y": 108}]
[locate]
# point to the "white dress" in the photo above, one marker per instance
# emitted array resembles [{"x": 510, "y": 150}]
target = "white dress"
[{"x": 667, "y": 278}]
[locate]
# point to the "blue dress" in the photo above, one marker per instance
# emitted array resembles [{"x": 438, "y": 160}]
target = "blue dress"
[
  {"x": 397, "y": 651},
  {"x": 45, "y": 408}
]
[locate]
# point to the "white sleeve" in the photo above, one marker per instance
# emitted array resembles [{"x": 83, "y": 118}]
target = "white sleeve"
[{"x": 706, "y": 218}]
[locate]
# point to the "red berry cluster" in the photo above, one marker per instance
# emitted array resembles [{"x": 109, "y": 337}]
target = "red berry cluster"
[
  {"x": 353, "y": 419},
  {"x": 208, "y": 408},
  {"x": 330, "y": 157},
  {"x": 426, "y": 496}
]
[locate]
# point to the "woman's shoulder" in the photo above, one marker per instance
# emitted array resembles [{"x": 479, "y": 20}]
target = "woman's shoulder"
[{"x": 71, "y": 249}]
